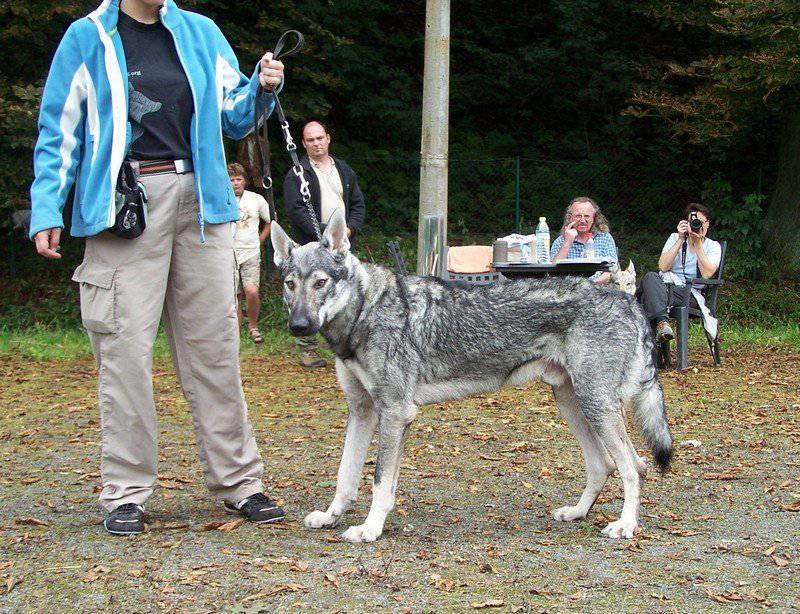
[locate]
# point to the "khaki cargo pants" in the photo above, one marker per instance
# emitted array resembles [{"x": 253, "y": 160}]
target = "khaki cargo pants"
[{"x": 126, "y": 287}]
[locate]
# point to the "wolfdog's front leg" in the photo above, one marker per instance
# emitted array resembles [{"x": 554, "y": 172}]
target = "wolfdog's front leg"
[
  {"x": 394, "y": 424},
  {"x": 361, "y": 422}
]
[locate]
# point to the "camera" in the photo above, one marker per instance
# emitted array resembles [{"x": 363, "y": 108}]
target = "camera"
[{"x": 695, "y": 223}]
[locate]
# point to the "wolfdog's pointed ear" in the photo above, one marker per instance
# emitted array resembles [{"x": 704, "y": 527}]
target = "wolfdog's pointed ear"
[
  {"x": 631, "y": 269},
  {"x": 281, "y": 244},
  {"x": 335, "y": 235},
  {"x": 615, "y": 268}
]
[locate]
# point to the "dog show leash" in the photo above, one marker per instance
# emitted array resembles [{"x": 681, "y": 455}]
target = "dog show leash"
[{"x": 260, "y": 116}]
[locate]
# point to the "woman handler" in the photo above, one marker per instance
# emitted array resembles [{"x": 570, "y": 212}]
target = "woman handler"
[{"x": 146, "y": 82}]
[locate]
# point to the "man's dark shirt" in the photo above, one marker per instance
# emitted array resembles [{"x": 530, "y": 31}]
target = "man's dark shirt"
[
  {"x": 160, "y": 98},
  {"x": 296, "y": 211}
]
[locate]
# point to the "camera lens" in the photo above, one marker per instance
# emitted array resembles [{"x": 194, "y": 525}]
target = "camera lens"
[{"x": 695, "y": 224}]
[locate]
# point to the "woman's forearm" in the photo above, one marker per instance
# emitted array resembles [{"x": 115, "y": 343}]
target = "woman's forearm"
[{"x": 668, "y": 257}]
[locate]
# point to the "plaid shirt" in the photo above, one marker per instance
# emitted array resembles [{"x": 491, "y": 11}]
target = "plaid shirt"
[{"x": 604, "y": 247}]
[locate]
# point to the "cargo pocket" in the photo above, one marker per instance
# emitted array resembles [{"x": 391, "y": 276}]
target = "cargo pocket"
[{"x": 98, "y": 297}]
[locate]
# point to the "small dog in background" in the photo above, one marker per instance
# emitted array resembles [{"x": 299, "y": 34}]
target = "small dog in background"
[{"x": 624, "y": 280}]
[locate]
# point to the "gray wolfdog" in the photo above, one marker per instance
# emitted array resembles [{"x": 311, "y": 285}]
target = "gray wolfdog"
[{"x": 402, "y": 342}]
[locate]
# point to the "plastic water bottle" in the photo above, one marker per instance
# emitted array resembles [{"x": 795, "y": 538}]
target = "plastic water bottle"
[
  {"x": 542, "y": 241},
  {"x": 525, "y": 253},
  {"x": 589, "y": 250}
]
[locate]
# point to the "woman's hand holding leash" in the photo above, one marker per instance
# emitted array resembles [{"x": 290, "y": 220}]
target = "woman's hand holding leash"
[{"x": 271, "y": 72}]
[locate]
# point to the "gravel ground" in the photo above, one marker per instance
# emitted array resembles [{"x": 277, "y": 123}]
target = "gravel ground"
[{"x": 472, "y": 529}]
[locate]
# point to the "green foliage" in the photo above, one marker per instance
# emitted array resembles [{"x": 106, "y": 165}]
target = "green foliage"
[
  {"x": 544, "y": 82},
  {"x": 739, "y": 223},
  {"x": 727, "y": 61}
]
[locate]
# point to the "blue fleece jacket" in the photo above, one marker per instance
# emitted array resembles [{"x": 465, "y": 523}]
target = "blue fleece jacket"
[{"x": 84, "y": 133}]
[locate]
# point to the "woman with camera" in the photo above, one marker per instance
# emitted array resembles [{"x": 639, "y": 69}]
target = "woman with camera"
[{"x": 687, "y": 254}]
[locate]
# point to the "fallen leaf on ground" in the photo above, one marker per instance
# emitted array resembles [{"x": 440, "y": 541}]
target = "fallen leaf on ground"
[
  {"x": 299, "y": 566},
  {"x": 724, "y": 475},
  {"x": 12, "y": 582},
  {"x": 492, "y": 603},
  {"x": 31, "y": 521},
  {"x": 94, "y": 573},
  {"x": 442, "y": 584},
  {"x": 780, "y": 562},
  {"x": 681, "y": 532},
  {"x": 791, "y": 507},
  {"x": 276, "y": 590},
  {"x": 726, "y": 597}
]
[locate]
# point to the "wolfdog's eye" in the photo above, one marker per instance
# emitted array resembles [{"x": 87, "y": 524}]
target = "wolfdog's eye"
[
  {"x": 290, "y": 284},
  {"x": 321, "y": 282}
]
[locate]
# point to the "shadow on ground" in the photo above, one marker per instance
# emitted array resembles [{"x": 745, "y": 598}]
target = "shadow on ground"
[{"x": 472, "y": 529}]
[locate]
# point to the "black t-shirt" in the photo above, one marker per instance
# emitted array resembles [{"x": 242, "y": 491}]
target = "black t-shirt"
[{"x": 161, "y": 106}]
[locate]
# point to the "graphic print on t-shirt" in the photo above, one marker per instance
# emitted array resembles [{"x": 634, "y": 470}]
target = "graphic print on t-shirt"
[{"x": 140, "y": 105}]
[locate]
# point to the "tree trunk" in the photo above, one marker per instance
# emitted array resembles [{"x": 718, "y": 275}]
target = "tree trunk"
[{"x": 782, "y": 222}]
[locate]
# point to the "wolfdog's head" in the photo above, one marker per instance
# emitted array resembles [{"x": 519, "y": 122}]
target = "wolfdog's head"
[
  {"x": 318, "y": 278},
  {"x": 624, "y": 280}
]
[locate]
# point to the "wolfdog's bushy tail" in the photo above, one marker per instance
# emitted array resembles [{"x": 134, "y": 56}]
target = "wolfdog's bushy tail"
[{"x": 651, "y": 418}]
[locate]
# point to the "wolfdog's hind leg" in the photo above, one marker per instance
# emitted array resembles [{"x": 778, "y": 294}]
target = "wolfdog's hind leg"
[
  {"x": 599, "y": 464},
  {"x": 395, "y": 421},
  {"x": 610, "y": 427},
  {"x": 361, "y": 422}
]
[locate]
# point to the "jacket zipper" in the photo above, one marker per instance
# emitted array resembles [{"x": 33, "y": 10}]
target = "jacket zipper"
[
  {"x": 106, "y": 44},
  {"x": 200, "y": 216}
]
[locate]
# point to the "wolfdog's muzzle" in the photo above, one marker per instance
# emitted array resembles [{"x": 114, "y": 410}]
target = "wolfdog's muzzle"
[{"x": 301, "y": 326}]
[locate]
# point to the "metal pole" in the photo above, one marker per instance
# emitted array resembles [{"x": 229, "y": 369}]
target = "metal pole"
[
  {"x": 435, "y": 119},
  {"x": 517, "y": 213}
]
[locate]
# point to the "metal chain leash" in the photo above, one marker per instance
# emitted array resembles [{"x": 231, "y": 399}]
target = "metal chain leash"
[{"x": 260, "y": 130}]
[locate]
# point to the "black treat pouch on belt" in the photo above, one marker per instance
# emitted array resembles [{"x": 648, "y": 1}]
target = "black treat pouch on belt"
[{"x": 131, "y": 203}]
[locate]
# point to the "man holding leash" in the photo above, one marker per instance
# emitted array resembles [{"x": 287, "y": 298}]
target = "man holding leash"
[
  {"x": 247, "y": 242},
  {"x": 334, "y": 187},
  {"x": 147, "y": 87}
]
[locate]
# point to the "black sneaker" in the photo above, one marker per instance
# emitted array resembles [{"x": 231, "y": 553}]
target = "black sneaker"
[
  {"x": 127, "y": 519},
  {"x": 258, "y": 508}
]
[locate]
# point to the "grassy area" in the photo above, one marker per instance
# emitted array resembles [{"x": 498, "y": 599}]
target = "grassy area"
[
  {"x": 40, "y": 317},
  {"x": 42, "y": 343}
]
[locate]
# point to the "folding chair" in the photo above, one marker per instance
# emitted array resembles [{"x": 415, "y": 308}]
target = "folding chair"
[{"x": 682, "y": 313}]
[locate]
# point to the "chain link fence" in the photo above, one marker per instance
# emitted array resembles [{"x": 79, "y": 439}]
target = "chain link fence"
[
  {"x": 489, "y": 197},
  {"x": 496, "y": 196}
]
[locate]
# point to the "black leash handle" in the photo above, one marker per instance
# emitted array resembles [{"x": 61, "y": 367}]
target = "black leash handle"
[{"x": 260, "y": 131}]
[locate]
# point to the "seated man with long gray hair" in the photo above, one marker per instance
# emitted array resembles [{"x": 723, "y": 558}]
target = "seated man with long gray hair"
[{"x": 585, "y": 225}]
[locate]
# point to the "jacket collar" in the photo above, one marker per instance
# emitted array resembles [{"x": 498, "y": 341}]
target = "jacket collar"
[{"x": 108, "y": 14}]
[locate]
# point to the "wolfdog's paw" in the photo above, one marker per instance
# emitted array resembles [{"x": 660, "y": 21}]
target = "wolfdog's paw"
[
  {"x": 620, "y": 528},
  {"x": 320, "y": 520},
  {"x": 568, "y": 513},
  {"x": 641, "y": 467},
  {"x": 362, "y": 533}
]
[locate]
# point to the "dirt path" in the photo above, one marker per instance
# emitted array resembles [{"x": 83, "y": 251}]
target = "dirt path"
[{"x": 472, "y": 528}]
